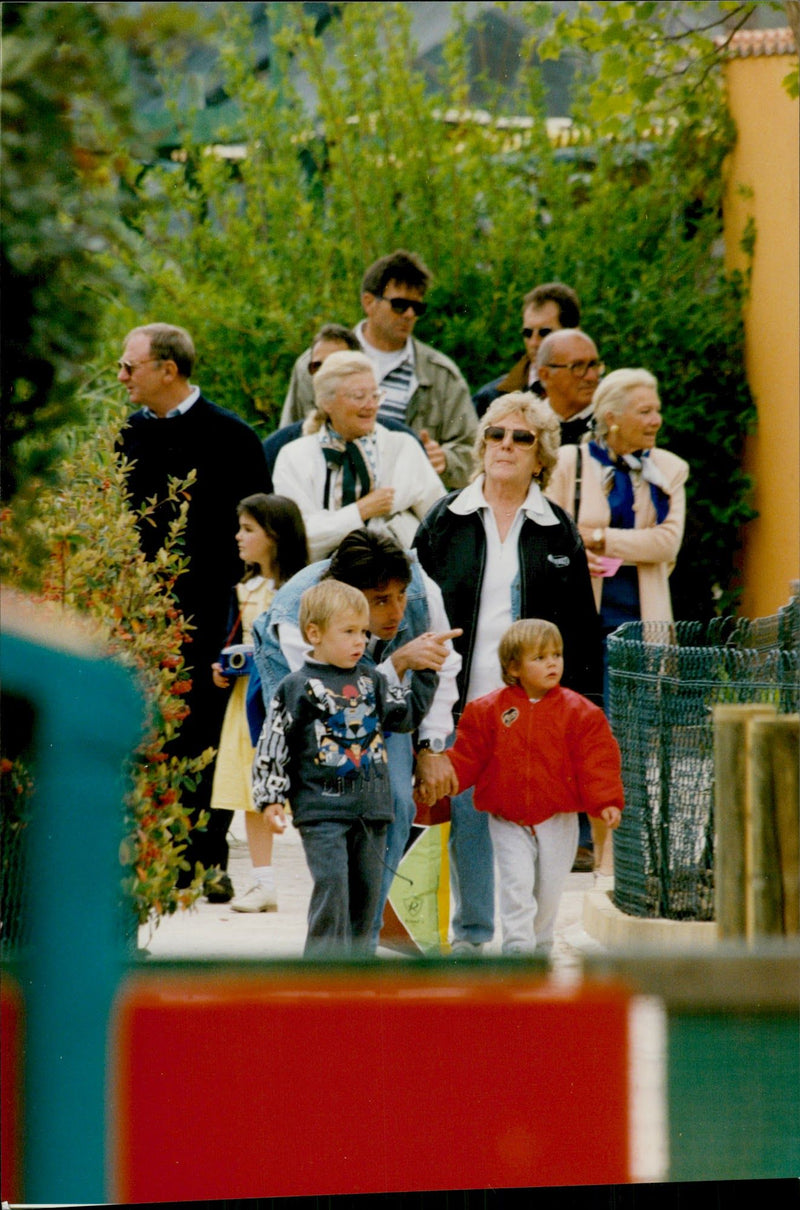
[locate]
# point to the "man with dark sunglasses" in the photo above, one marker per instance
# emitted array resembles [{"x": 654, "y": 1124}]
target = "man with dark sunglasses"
[
  {"x": 545, "y": 309},
  {"x": 422, "y": 388}
]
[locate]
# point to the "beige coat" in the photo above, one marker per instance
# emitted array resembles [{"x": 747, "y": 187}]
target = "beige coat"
[{"x": 651, "y": 547}]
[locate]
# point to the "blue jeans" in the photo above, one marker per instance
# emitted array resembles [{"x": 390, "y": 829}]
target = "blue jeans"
[
  {"x": 471, "y": 871},
  {"x": 345, "y": 859},
  {"x": 401, "y": 769}
]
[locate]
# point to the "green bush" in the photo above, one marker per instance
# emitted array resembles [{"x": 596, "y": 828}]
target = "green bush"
[
  {"x": 252, "y": 256},
  {"x": 73, "y": 546},
  {"x": 64, "y": 120}
]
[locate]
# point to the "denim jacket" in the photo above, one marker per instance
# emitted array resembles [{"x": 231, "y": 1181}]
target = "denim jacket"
[{"x": 269, "y": 659}]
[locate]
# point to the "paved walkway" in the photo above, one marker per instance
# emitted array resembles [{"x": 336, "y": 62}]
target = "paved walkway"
[{"x": 215, "y": 931}]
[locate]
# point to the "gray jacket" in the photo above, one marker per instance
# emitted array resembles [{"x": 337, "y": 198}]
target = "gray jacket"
[
  {"x": 441, "y": 404},
  {"x": 322, "y": 745}
]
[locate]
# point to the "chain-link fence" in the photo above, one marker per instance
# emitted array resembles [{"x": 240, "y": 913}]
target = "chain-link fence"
[{"x": 665, "y": 680}]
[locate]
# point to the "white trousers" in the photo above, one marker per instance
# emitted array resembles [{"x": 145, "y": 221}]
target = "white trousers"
[{"x": 531, "y": 871}]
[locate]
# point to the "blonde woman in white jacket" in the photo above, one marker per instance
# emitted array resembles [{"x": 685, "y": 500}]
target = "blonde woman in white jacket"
[
  {"x": 628, "y": 499},
  {"x": 347, "y": 470}
]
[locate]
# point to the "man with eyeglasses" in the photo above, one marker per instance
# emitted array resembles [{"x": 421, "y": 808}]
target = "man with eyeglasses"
[
  {"x": 570, "y": 370},
  {"x": 174, "y": 431},
  {"x": 422, "y": 388},
  {"x": 545, "y": 309}
]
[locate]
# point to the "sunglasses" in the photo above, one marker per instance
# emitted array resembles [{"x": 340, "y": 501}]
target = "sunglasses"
[
  {"x": 496, "y": 434},
  {"x": 130, "y": 366},
  {"x": 401, "y": 305},
  {"x": 529, "y": 332}
]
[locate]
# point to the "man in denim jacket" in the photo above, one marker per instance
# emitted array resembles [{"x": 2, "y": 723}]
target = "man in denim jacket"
[{"x": 409, "y": 630}]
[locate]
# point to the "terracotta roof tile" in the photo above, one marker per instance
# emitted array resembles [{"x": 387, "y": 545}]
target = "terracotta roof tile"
[{"x": 754, "y": 43}]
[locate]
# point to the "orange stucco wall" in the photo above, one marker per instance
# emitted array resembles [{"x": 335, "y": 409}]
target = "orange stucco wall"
[{"x": 766, "y": 162}]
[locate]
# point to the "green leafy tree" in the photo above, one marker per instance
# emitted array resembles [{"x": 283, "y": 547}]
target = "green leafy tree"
[
  {"x": 253, "y": 254},
  {"x": 642, "y": 63},
  {"x": 75, "y": 549},
  {"x": 65, "y": 117}
]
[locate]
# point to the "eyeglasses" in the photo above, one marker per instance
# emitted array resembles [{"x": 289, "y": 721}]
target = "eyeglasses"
[
  {"x": 495, "y": 433},
  {"x": 579, "y": 369},
  {"x": 130, "y": 366},
  {"x": 401, "y": 305},
  {"x": 359, "y": 397},
  {"x": 529, "y": 332}
]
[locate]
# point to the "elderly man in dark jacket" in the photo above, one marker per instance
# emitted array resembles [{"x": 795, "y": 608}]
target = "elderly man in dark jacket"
[{"x": 176, "y": 431}]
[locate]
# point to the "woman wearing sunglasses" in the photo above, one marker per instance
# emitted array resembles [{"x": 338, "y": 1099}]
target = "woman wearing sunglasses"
[
  {"x": 347, "y": 470},
  {"x": 501, "y": 551}
]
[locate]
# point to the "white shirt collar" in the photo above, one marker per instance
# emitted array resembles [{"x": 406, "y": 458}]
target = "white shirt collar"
[
  {"x": 394, "y": 358},
  {"x": 180, "y": 410},
  {"x": 582, "y": 415},
  {"x": 471, "y": 499}
]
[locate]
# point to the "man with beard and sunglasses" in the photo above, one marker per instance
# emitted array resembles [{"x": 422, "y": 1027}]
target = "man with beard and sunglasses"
[{"x": 421, "y": 387}]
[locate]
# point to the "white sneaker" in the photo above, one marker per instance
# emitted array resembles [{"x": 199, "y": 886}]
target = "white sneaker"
[
  {"x": 461, "y": 948},
  {"x": 257, "y": 898}
]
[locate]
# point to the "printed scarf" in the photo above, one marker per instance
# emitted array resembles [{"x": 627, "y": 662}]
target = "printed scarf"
[
  {"x": 351, "y": 467},
  {"x": 620, "y": 498}
]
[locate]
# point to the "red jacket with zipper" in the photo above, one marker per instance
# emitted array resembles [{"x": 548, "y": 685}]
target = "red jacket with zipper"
[{"x": 530, "y": 760}]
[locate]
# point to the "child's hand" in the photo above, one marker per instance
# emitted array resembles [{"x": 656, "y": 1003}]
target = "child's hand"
[
  {"x": 219, "y": 680},
  {"x": 611, "y": 816},
  {"x": 276, "y": 816}
]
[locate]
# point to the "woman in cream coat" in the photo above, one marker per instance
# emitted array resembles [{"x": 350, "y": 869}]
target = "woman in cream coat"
[
  {"x": 631, "y": 501},
  {"x": 348, "y": 470},
  {"x": 628, "y": 499}
]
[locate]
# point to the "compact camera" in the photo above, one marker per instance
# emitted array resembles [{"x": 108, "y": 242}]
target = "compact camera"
[{"x": 237, "y": 660}]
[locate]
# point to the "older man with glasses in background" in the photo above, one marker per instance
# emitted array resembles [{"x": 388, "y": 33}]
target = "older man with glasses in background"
[
  {"x": 422, "y": 388},
  {"x": 569, "y": 370}
]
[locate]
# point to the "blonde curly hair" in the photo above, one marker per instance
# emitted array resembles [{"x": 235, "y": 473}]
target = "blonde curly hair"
[{"x": 540, "y": 418}]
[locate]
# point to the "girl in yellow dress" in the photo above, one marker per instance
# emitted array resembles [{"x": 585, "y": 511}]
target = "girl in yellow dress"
[{"x": 272, "y": 545}]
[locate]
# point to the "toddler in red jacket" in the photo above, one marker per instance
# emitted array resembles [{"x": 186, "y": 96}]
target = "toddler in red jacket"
[{"x": 537, "y": 754}]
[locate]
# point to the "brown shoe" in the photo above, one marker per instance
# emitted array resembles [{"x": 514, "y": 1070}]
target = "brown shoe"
[{"x": 584, "y": 861}]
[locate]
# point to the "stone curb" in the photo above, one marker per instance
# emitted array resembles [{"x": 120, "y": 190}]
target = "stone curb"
[{"x": 613, "y": 928}]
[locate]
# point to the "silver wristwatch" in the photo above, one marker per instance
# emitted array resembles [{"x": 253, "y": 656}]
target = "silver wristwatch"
[{"x": 430, "y": 745}]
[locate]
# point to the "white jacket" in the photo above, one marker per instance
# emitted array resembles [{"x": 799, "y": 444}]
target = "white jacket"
[{"x": 300, "y": 471}]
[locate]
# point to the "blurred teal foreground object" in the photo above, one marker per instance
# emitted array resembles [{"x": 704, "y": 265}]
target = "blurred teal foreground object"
[{"x": 87, "y": 717}]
